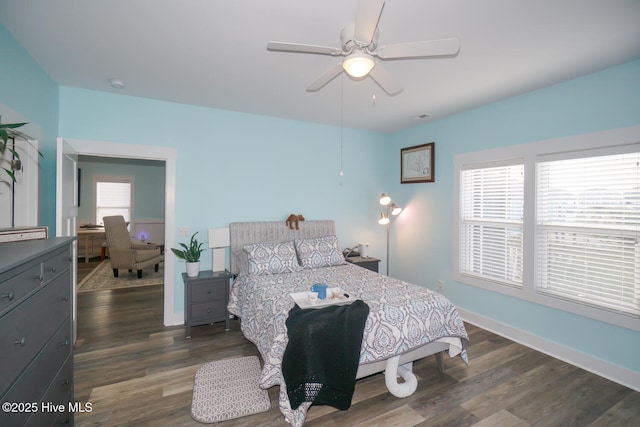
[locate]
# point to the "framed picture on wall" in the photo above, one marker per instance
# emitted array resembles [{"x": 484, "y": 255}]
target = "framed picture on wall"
[{"x": 417, "y": 163}]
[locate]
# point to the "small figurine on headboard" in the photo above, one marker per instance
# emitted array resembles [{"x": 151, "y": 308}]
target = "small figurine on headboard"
[{"x": 293, "y": 218}]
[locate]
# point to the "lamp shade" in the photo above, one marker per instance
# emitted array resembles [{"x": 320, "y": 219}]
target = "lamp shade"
[
  {"x": 219, "y": 238},
  {"x": 384, "y": 199},
  {"x": 384, "y": 219},
  {"x": 395, "y": 209},
  {"x": 358, "y": 64}
]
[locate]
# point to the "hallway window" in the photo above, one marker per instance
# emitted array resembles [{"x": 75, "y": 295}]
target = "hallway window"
[{"x": 114, "y": 196}]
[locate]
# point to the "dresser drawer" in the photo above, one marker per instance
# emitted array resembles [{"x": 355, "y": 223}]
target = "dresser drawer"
[
  {"x": 212, "y": 290},
  {"x": 57, "y": 396},
  {"x": 43, "y": 368},
  {"x": 15, "y": 289},
  {"x": 55, "y": 265},
  {"x": 25, "y": 330},
  {"x": 212, "y": 311}
]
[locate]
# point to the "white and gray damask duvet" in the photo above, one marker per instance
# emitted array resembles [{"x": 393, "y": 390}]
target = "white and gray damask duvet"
[{"x": 402, "y": 316}]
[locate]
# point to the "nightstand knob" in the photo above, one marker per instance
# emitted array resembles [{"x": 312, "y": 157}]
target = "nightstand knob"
[
  {"x": 208, "y": 311},
  {"x": 9, "y": 296},
  {"x": 209, "y": 291},
  {"x": 22, "y": 341}
]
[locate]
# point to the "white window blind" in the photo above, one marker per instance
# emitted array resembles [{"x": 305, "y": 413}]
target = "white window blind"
[
  {"x": 113, "y": 198},
  {"x": 588, "y": 230},
  {"x": 491, "y": 223}
]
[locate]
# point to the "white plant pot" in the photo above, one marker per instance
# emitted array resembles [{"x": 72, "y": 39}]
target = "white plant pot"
[{"x": 193, "y": 269}]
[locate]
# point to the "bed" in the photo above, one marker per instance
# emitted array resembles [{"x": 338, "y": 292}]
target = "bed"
[{"x": 406, "y": 322}]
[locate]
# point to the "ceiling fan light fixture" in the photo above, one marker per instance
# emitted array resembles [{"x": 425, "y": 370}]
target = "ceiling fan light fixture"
[{"x": 358, "y": 64}]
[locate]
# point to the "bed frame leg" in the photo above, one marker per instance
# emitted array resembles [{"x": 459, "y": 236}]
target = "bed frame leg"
[
  {"x": 440, "y": 362},
  {"x": 391, "y": 374}
]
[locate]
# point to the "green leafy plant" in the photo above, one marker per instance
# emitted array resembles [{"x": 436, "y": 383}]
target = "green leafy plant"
[
  {"x": 189, "y": 253},
  {"x": 7, "y": 130}
]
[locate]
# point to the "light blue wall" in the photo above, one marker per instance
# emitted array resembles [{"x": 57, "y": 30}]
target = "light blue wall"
[
  {"x": 148, "y": 190},
  {"x": 28, "y": 90},
  {"x": 604, "y": 100},
  {"x": 241, "y": 167}
]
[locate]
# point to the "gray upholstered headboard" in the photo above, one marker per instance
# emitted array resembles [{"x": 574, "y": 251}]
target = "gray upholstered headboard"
[{"x": 243, "y": 233}]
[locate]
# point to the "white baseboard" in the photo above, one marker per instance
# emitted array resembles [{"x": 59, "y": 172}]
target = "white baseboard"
[{"x": 608, "y": 370}]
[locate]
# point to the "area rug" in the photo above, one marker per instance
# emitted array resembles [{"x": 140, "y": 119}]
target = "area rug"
[
  {"x": 102, "y": 278},
  {"x": 228, "y": 389}
]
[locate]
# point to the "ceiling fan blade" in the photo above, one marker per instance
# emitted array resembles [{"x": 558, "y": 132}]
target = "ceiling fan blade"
[
  {"x": 443, "y": 47},
  {"x": 385, "y": 80},
  {"x": 322, "y": 81},
  {"x": 304, "y": 48},
  {"x": 367, "y": 17}
]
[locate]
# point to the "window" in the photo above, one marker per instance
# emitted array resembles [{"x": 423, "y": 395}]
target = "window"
[
  {"x": 114, "y": 196},
  {"x": 588, "y": 230},
  {"x": 559, "y": 226},
  {"x": 491, "y": 212}
]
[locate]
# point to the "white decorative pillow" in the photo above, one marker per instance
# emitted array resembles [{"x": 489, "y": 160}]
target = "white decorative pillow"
[
  {"x": 271, "y": 258},
  {"x": 319, "y": 252}
]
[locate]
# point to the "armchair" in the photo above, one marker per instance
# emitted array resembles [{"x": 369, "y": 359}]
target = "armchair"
[{"x": 123, "y": 253}]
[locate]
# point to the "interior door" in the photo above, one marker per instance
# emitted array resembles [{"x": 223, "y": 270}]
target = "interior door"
[{"x": 67, "y": 206}]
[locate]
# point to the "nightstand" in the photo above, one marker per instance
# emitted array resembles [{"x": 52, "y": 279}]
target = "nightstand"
[
  {"x": 369, "y": 263},
  {"x": 205, "y": 299}
]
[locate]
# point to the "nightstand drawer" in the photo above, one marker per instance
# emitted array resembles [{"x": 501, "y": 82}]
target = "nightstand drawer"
[
  {"x": 201, "y": 292},
  {"x": 208, "y": 311},
  {"x": 368, "y": 263}
]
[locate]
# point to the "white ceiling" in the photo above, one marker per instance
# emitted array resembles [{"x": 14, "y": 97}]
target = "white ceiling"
[{"x": 213, "y": 52}]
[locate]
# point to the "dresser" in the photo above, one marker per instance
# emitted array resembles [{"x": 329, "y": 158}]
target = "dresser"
[
  {"x": 205, "y": 299},
  {"x": 36, "y": 345}
]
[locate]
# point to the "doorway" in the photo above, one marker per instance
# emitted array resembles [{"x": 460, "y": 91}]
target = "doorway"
[{"x": 168, "y": 155}]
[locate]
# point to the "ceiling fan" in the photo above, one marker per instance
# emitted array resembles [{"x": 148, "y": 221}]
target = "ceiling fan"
[{"x": 360, "y": 46}]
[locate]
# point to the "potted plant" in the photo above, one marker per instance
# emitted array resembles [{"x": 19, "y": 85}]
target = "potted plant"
[
  {"x": 191, "y": 255},
  {"x": 9, "y": 130}
]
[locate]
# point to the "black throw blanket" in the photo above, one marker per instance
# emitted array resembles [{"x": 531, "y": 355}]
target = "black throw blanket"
[{"x": 321, "y": 359}]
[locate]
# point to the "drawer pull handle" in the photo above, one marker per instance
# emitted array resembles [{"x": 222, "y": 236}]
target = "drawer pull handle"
[
  {"x": 208, "y": 310},
  {"x": 22, "y": 341},
  {"x": 65, "y": 383},
  {"x": 209, "y": 291},
  {"x": 38, "y": 277},
  {"x": 52, "y": 269},
  {"x": 64, "y": 343},
  {"x": 10, "y": 296}
]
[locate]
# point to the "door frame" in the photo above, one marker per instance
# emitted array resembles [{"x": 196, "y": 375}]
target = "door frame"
[{"x": 147, "y": 152}]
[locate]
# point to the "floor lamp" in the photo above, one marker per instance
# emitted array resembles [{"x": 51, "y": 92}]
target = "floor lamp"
[{"x": 385, "y": 218}]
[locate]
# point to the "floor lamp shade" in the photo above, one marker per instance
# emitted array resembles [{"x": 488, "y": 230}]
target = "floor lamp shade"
[
  {"x": 218, "y": 242},
  {"x": 385, "y": 218}
]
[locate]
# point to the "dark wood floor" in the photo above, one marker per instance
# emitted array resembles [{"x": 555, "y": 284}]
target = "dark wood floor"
[{"x": 136, "y": 372}]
